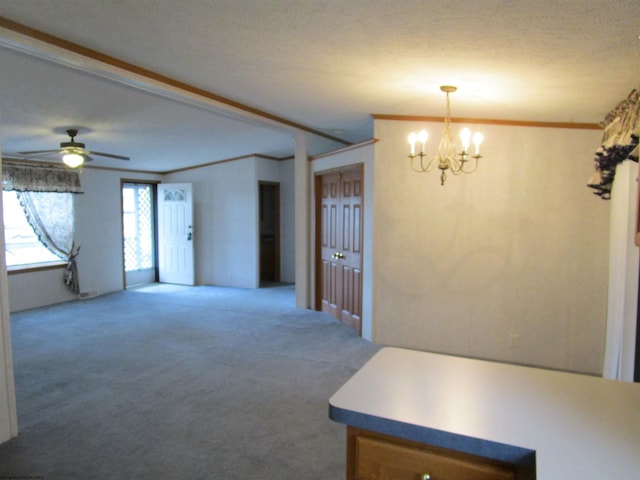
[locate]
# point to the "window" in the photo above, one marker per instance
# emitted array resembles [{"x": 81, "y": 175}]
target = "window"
[{"x": 22, "y": 246}]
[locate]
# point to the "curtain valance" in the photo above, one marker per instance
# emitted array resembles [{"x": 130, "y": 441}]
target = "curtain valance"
[
  {"x": 31, "y": 177},
  {"x": 619, "y": 143}
]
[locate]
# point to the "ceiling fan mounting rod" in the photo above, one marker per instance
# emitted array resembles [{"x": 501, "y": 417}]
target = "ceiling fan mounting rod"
[{"x": 73, "y": 146}]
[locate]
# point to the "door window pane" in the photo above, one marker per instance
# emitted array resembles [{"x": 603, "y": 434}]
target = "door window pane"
[{"x": 137, "y": 220}]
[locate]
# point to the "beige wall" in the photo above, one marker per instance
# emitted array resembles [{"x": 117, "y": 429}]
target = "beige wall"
[{"x": 519, "y": 247}]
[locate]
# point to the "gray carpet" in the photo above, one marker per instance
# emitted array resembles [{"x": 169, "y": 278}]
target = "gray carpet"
[{"x": 179, "y": 383}]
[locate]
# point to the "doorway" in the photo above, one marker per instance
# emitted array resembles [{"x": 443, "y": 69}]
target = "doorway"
[
  {"x": 339, "y": 220},
  {"x": 139, "y": 233},
  {"x": 175, "y": 234},
  {"x": 269, "y": 200}
]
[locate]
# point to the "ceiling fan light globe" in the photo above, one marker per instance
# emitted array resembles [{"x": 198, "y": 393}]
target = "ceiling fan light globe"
[{"x": 73, "y": 160}]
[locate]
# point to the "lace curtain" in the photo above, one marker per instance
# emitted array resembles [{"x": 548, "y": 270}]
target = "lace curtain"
[
  {"x": 51, "y": 215},
  {"x": 45, "y": 194},
  {"x": 619, "y": 143}
]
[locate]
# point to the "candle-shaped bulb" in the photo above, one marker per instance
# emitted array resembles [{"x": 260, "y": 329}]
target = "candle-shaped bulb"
[
  {"x": 423, "y": 136},
  {"x": 465, "y": 136},
  {"x": 412, "y": 141},
  {"x": 477, "y": 140}
]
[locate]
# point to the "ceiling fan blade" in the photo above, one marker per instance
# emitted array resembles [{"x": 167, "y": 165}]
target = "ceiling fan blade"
[
  {"x": 87, "y": 158},
  {"x": 41, "y": 152},
  {"x": 109, "y": 155}
]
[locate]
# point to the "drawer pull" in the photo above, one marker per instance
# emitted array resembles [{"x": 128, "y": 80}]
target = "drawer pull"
[{"x": 425, "y": 476}]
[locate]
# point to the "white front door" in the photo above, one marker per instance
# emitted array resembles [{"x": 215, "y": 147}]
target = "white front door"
[{"x": 175, "y": 233}]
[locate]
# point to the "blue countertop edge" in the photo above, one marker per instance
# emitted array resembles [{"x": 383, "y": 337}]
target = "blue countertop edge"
[{"x": 522, "y": 457}]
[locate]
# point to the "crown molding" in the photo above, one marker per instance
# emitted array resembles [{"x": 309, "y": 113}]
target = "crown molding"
[{"x": 489, "y": 121}]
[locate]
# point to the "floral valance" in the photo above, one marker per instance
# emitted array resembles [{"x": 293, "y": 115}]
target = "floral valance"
[
  {"x": 619, "y": 143},
  {"x": 31, "y": 177}
]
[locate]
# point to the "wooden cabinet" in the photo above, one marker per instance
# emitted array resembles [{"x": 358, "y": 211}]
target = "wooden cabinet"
[{"x": 374, "y": 456}]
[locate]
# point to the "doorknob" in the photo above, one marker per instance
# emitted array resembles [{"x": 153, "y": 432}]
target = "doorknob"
[{"x": 338, "y": 256}]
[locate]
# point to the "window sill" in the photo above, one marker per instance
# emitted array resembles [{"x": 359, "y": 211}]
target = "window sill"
[{"x": 36, "y": 267}]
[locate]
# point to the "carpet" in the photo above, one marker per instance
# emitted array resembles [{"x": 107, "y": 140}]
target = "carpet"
[{"x": 180, "y": 383}]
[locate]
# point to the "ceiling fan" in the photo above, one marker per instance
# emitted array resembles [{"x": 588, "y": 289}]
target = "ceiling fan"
[{"x": 73, "y": 153}]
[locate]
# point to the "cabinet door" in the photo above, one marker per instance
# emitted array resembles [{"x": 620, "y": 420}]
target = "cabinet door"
[{"x": 385, "y": 459}]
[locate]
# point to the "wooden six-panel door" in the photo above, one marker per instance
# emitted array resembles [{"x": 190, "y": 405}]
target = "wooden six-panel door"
[{"x": 340, "y": 221}]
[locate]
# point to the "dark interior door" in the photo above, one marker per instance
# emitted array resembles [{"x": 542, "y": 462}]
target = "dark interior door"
[
  {"x": 341, "y": 246},
  {"x": 269, "y": 232}
]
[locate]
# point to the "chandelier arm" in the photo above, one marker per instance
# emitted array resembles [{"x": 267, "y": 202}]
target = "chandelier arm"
[
  {"x": 430, "y": 166},
  {"x": 422, "y": 169},
  {"x": 413, "y": 167},
  {"x": 475, "y": 166},
  {"x": 462, "y": 169},
  {"x": 455, "y": 164},
  {"x": 472, "y": 163}
]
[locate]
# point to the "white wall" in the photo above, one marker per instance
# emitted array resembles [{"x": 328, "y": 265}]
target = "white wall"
[
  {"x": 518, "y": 247},
  {"x": 226, "y": 231},
  {"x": 224, "y": 214},
  {"x": 287, "y": 222},
  {"x": 8, "y": 413},
  {"x": 619, "y": 362},
  {"x": 36, "y": 289},
  {"x": 98, "y": 232}
]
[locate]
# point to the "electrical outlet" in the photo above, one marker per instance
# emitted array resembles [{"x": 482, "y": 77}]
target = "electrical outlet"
[{"x": 514, "y": 340}]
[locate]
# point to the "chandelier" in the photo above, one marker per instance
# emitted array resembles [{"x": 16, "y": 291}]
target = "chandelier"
[{"x": 448, "y": 159}]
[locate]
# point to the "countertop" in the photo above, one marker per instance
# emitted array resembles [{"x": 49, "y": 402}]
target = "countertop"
[{"x": 571, "y": 425}]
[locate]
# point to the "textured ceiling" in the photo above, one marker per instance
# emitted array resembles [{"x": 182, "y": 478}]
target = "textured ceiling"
[{"x": 324, "y": 64}]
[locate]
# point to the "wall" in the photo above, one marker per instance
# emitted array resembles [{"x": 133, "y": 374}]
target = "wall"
[
  {"x": 225, "y": 233},
  {"x": 287, "y": 222},
  {"x": 226, "y": 219},
  {"x": 35, "y": 289},
  {"x": 8, "y": 412},
  {"x": 99, "y": 234},
  {"x": 619, "y": 362},
  {"x": 518, "y": 247}
]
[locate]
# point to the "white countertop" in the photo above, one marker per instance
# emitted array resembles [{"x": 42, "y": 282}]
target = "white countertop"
[{"x": 579, "y": 426}]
